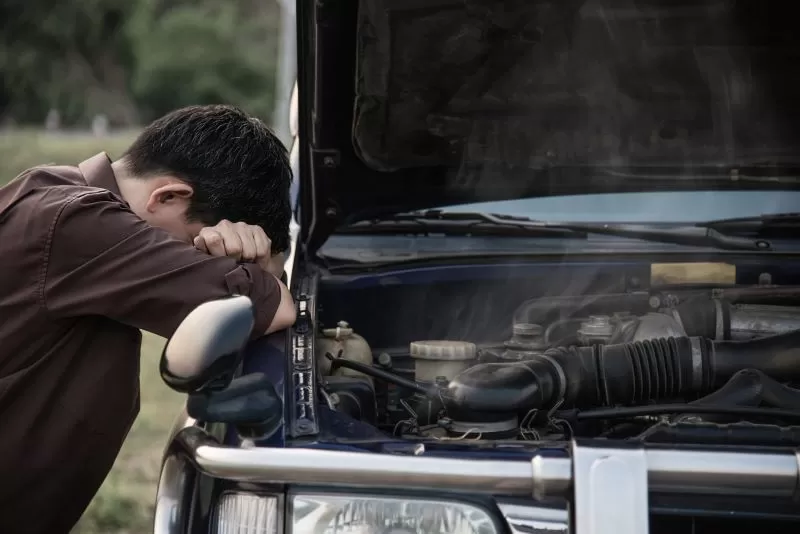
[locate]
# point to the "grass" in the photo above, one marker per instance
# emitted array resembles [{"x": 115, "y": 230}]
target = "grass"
[{"x": 125, "y": 502}]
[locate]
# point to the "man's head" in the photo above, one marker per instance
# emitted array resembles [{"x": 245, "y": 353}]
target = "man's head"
[{"x": 201, "y": 164}]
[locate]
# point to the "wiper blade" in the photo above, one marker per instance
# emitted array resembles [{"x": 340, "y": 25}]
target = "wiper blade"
[
  {"x": 690, "y": 235},
  {"x": 779, "y": 224},
  {"x": 454, "y": 223}
]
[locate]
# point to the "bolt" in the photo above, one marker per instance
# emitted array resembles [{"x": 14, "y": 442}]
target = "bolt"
[
  {"x": 655, "y": 302},
  {"x": 385, "y": 360},
  {"x": 331, "y": 212}
]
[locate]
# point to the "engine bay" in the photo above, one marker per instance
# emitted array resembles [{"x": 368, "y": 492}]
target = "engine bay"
[{"x": 681, "y": 363}]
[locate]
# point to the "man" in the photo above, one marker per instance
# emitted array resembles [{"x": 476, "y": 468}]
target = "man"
[{"x": 94, "y": 253}]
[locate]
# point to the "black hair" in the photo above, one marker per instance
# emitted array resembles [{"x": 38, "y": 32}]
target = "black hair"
[{"x": 238, "y": 168}]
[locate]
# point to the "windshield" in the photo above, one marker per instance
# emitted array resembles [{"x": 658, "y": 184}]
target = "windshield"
[
  {"x": 493, "y": 90},
  {"x": 649, "y": 207}
]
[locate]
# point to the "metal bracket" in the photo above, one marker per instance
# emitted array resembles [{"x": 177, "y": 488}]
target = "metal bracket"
[
  {"x": 610, "y": 488},
  {"x": 302, "y": 409}
]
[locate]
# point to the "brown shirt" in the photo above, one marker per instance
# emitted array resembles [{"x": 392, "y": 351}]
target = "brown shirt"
[{"x": 80, "y": 276}]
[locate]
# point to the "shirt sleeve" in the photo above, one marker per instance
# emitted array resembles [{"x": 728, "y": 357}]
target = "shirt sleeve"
[{"x": 101, "y": 259}]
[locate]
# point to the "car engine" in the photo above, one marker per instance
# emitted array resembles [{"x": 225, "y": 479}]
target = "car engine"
[{"x": 586, "y": 367}]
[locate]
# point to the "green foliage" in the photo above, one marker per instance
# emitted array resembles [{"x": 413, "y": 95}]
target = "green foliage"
[
  {"x": 204, "y": 55},
  {"x": 134, "y": 60},
  {"x": 23, "y": 149}
]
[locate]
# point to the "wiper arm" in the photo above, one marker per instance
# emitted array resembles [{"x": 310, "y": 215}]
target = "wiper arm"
[
  {"x": 679, "y": 235},
  {"x": 690, "y": 235}
]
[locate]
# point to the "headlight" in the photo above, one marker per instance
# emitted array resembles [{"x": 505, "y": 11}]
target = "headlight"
[
  {"x": 245, "y": 513},
  {"x": 353, "y": 514}
]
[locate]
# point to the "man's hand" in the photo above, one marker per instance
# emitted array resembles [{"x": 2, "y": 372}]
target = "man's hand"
[{"x": 243, "y": 242}]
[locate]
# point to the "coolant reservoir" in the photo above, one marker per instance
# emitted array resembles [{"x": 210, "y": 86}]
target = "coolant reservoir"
[
  {"x": 441, "y": 358},
  {"x": 341, "y": 342}
]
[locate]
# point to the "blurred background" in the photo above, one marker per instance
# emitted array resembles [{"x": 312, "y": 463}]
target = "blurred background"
[{"x": 77, "y": 78}]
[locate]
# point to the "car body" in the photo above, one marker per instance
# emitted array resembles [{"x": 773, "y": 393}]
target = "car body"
[{"x": 491, "y": 341}]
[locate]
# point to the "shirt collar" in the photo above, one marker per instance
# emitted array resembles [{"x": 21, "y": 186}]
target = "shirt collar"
[{"x": 97, "y": 172}]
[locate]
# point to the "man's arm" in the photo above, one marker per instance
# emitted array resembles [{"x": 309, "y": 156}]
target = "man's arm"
[
  {"x": 286, "y": 314},
  {"x": 101, "y": 259}
]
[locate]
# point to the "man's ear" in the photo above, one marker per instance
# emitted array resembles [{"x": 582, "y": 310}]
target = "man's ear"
[{"x": 170, "y": 194}]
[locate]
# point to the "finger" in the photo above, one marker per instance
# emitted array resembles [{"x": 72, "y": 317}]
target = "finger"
[
  {"x": 214, "y": 241},
  {"x": 262, "y": 243},
  {"x": 249, "y": 248},
  {"x": 200, "y": 244},
  {"x": 231, "y": 240}
]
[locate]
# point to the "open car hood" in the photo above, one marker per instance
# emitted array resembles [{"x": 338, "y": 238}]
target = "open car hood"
[{"x": 409, "y": 104}]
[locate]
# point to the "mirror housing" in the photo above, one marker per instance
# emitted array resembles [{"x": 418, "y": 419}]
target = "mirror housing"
[
  {"x": 250, "y": 404},
  {"x": 206, "y": 349}
]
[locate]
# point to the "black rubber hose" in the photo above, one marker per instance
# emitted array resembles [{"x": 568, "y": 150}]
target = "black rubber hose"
[
  {"x": 383, "y": 375},
  {"x": 743, "y": 389},
  {"x": 785, "y": 295},
  {"x": 778, "y": 356},
  {"x": 504, "y": 387},
  {"x": 666, "y": 409},
  {"x": 643, "y": 371},
  {"x": 626, "y": 374},
  {"x": 629, "y": 373},
  {"x": 749, "y": 387},
  {"x": 699, "y": 317}
]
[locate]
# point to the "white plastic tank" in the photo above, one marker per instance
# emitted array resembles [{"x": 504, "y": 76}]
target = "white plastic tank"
[
  {"x": 341, "y": 342},
  {"x": 437, "y": 358}
]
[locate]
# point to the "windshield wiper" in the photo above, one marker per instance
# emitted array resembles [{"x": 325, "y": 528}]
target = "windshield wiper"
[
  {"x": 773, "y": 225},
  {"x": 472, "y": 223}
]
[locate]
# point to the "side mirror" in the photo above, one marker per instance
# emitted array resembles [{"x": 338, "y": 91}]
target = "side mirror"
[
  {"x": 250, "y": 404},
  {"x": 206, "y": 348},
  {"x": 202, "y": 358}
]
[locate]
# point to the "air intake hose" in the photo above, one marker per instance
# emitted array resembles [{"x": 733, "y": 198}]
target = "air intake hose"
[{"x": 624, "y": 374}]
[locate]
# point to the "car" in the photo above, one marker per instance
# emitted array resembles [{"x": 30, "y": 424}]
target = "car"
[{"x": 547, "y": 278}]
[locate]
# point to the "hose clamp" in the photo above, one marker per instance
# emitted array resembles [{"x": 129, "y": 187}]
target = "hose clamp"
[
  {"x": 719, "y": 333},
  {"x": 697, "y": 363},
  {"x": 562, "y": 377}
]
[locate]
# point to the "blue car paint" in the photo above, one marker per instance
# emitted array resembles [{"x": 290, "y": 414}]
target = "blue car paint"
[{"x": 267, "y": 355}]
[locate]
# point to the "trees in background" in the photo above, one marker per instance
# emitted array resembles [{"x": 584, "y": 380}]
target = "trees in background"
[{"x": 133, "y": 60}]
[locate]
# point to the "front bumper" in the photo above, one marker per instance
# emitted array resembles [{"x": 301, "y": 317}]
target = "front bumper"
[{"x": 607, "y": 486}]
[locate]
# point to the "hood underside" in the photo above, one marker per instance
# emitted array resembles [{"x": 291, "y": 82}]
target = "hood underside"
[{"x": 409, "y": 104}]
